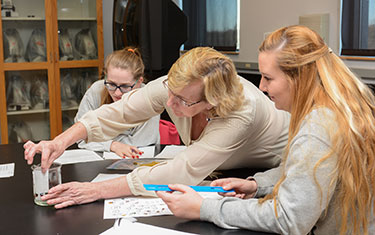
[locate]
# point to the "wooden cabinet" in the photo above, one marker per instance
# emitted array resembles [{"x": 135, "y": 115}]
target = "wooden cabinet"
[{"x": 50, "y": 53}]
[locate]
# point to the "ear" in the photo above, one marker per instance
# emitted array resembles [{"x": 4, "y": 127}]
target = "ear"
[
  {"x": 140, "y": 80},
  {"x": 209, "y": 106}
]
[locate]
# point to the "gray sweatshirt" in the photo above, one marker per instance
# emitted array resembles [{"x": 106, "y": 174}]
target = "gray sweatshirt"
[
  {"x": 142, "y": 135},
  {"x": 300, "y": 203}
]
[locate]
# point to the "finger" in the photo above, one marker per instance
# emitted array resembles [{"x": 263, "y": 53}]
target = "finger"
[
  {"x": 135, "y": 150},
  {"x": 231, "y": 194},
  {"x": 165, "y": 196},
  {"x": 45, "y": 156},
  {"x": 31, "y": 153},
  {"x": 219, "y": 182},
  {"x": 27, "y": 146},
  {"x": 63, "y": 204},
  {"x": 59, "y": 188}
]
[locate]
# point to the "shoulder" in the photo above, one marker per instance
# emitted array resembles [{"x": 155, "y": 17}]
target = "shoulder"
[
  {"x": 96, "y": 87},
  {"x": 320, "y": 122}
]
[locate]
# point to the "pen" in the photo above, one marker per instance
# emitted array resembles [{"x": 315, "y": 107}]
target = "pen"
[{"x": 164, "y": 187}]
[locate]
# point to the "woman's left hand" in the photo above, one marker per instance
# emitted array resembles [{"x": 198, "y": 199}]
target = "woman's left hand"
[
  {"x": 73, "y": 193},
  {"x": 186, "y": 205}
]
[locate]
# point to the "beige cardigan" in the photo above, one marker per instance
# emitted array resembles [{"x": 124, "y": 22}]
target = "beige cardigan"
[{"x": 254, "y": 136}]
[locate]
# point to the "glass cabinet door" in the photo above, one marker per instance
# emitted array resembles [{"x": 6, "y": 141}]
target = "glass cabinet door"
[
  {"x": 27, "y": 105},
  {"x": 24, "y": 31},
  {"x": 77, "y": 30},
  {"x": 74, "y": 83}
]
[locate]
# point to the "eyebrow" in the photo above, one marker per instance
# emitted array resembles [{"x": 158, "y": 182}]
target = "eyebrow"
[{"x": 109, "y": 81}]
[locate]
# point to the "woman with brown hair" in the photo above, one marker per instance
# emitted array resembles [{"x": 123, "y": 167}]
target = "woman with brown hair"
[
  {"x": 123, "y": 72},
  {"x": 325, "y": 183}
]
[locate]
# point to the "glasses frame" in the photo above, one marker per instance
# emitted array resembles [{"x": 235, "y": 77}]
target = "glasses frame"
[
  {"x": 182, "y": 101},
  {"x": 111, "y": 85}
]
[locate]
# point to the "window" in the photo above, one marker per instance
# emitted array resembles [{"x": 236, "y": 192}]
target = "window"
[
  {"x": 213, "y": 23},
  {"x": 358, "y": 27}
]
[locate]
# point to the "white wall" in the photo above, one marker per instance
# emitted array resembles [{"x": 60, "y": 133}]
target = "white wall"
[{"x": 258, "y": 17}]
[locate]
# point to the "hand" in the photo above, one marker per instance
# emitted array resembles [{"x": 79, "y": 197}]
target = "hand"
[
  {"x": 243, "y": 188},
  {"x": 50, "y": 150},
  {"x": 72, "y": 193},
  {"x": 186, "y": 205},
  {"x": 125, "y": 150}
]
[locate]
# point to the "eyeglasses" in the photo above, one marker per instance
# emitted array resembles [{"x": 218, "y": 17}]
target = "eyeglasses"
[
  {"x": 181, "y": 101},
  {"x": 123, "y": 88}
]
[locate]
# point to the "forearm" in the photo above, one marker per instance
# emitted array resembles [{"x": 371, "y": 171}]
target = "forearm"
[
  {"x": 113, "y": 188},
  {"x": 72, "y": 135}
]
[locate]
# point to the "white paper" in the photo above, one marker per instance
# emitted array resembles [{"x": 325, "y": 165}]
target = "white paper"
[
  {"x": 148, "y": 153},
  {"x": 134, "y": 207},
  {"x": 7, "y": 170},
  {"x": 102, "y": 177},
  {"x": 78, "y": 155},
  {"x": 141, "y": 206},
  {"x": 170, "y": 151},
  {"x": 127, "y": 227}
]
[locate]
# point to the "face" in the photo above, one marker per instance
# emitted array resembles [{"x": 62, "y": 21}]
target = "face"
[
  {"x": 190, "y": 94},
  {"x": 120, "y": 77},
  {"x": 274, "y": 81}
]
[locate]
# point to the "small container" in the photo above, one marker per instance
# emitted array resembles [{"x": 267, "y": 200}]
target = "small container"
[{"x": 42, "y": 182}]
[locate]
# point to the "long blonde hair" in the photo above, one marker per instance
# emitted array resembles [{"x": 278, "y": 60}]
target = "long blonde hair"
[
  {"x": 222, "y": 87},
  {"x": 128, "y": 58},
  {"x": 320, "y": 78}
]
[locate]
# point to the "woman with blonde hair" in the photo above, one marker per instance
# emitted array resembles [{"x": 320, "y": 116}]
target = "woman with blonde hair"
[
  {"x": 123, "y": 71},
  {"x": 325, "y": 183},
  {"x": 223, "y": 119}
]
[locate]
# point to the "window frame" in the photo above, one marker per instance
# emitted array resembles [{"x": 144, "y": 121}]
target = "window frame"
[{"x": 354, "y": 29}]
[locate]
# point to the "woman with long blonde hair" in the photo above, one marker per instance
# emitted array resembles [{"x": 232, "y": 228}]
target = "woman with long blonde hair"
[{"x": 325, "y": 183}]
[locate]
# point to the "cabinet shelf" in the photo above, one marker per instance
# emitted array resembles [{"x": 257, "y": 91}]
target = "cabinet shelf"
[
  {"x": 25, "y": 112},
  {"x": 34, "y": 111},
  {"x": 22, "y": 19},
  {"x": 77, "y": 19}
]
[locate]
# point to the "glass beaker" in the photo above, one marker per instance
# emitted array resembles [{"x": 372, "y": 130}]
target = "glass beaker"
[{"x": 42, "y": 182}]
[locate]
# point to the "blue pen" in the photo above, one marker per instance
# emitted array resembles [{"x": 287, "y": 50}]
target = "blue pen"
[{"x": 164, "y": 187}]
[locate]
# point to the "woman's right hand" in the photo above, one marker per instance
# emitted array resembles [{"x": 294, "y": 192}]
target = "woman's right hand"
[
  {"x": 244, "y": 188},
  {"x": 125, "y": 150},
  {"x": 50, "y": 150}
]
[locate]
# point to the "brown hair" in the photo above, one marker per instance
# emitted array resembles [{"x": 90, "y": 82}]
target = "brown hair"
[{"x": 128, "y": 58}]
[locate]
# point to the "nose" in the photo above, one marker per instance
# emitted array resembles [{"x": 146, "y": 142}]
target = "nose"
[
  {"x": 118, "y": 92},
  {"x": 262, "y": 85},
  {"x": 171, "y": 100}
]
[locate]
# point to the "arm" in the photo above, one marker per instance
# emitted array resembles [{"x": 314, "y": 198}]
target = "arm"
[
  {"x": 73, "y": 193},
  {"x": 52, "y": 149},
  {"x": 300, "y": 201}
]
